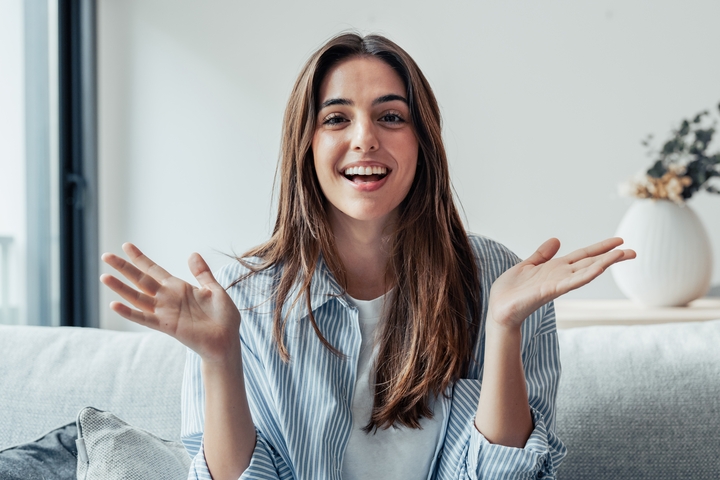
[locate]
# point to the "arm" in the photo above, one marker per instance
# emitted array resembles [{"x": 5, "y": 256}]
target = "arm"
[
  {"x": 207, "y": 321},
  {"x": 503, "y": 413},
  {"x": 488, "y": 435},
  {"x": 468, "y": 455},
  {"x": 229, "y": 432},
  {"x": 265, "y": 463}
]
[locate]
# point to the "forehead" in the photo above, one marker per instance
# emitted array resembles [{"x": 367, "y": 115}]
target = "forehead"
[{"x": 360, "y": 77}]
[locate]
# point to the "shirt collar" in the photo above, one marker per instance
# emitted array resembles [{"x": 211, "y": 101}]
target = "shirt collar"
[{"x": 323, "y": 288}]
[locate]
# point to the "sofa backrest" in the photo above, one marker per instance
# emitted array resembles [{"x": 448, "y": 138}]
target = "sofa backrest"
[
  {"x": 640, "y": 402},
  {"x": 634, "y": 402},
  {"x": 48, "y": 374}
]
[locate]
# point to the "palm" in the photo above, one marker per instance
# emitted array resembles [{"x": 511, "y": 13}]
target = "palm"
[
  {"x": 541, "y": 278},
  {"x": 205, "y": 319}
]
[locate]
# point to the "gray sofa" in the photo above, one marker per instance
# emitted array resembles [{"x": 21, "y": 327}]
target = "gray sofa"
[{"x": 635, "y": 402}]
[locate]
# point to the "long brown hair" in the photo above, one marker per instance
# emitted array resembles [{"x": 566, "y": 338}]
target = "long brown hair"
[{"x": 433, "y": 315}]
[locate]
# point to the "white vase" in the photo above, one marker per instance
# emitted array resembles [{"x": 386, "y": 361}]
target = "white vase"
[{"x": 674, "y": 258}]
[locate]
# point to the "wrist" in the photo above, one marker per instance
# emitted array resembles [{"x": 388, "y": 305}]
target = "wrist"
[
  {"x": 501, "y": 327},
  {"x": 228, "y": 358},
  {"x": 219, "y": 377}
]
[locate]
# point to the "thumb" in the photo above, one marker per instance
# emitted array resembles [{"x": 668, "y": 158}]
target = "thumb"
[
  {"x": 545, "y": 252},
  {"x": 201, "y": 271}
]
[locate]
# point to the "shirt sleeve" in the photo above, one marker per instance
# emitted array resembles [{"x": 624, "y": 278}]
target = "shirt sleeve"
[
  {"x": 467, "y": 454},
  {"x": 265, "y": 463}
]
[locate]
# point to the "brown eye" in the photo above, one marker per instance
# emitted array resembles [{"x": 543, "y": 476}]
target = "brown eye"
[
  {"x": 392, "y": 119},
  {"x": 333, "y": 120}
]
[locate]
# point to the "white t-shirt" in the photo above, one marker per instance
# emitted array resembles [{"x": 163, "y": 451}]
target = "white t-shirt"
[{"x": 399, "y": 453}]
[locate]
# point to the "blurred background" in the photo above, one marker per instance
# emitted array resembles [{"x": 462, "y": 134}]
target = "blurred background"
[{"x": 544, "y": 105}]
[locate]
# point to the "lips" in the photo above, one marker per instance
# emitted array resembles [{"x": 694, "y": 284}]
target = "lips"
[{"x": 366, "y": 178}]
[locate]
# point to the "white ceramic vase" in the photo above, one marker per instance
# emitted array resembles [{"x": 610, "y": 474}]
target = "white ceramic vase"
[{"x": 674, "y": 258}]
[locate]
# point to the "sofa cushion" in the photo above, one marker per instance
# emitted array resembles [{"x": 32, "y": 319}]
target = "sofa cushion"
[
  {"x": 49, "y": 373},
  {"x": 640, "y": 401},
  {"x": 50, "y": 457},
  {"x": 114, "y": 450}
]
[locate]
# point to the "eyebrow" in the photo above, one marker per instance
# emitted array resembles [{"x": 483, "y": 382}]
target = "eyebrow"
[
  {"x": 344, "y": 101},
  {"x": 389, "y": 98}
]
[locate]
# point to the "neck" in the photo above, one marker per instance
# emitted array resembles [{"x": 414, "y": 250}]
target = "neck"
[{"x": 364, "y": 249}]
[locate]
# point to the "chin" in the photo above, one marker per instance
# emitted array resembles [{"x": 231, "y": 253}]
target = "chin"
[{"x": 368, "y": 214}]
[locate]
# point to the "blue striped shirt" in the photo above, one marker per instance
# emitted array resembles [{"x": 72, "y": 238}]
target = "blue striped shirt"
[{"x": 302, "y": 409}]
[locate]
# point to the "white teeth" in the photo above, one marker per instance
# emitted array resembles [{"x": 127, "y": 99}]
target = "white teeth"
[{"x": 366, "y": 171}]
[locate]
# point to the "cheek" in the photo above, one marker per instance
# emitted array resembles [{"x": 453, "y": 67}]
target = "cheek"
[
  {"x": 315, "y": 149},
  {"x": 410, "y": 158},
  {"x": 411, "y": 167},
  {"x": 323, "y": 161},
  {"x": 324, "y": 148}
]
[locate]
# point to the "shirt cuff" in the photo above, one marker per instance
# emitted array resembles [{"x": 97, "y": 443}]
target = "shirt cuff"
[
  {"x": 264, "y": 465},
  {"x": 198, "y": 467},
  {"x": 493, "y": 461},
  {"x": 261, "y": 465}
]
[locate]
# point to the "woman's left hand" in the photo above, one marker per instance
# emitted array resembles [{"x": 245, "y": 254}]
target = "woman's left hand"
[{"x": 541, "y": 278}]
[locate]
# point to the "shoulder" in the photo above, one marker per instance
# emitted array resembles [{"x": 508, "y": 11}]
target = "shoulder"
[
  {"x": 237, "y": 269},
  {"x": 492, "y": 257},
  {"x": 245, "y": 286}
]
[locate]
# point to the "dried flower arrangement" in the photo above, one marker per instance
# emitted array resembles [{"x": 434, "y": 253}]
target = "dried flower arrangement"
[{"x": 682, "y": 167}]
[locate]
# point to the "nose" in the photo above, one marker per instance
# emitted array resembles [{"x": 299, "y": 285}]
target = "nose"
[{"x": 364, "y": 137}]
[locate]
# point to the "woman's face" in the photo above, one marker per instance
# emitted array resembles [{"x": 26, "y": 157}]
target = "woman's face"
[{"x": 364, "y": 147}]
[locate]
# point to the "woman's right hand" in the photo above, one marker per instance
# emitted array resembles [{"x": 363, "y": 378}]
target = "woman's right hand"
[{"x": 204, "y": 319}]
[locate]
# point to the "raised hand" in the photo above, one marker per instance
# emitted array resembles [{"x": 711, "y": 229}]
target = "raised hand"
[
  {"x": 541, "y": 278},
  {"x": 205, "y": 319}
]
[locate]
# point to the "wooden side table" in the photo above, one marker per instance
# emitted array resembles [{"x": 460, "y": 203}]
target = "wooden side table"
[{"x": 582, "y": 313}]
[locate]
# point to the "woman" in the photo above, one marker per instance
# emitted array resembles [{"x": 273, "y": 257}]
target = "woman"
[{"x": 370, "y": 317}]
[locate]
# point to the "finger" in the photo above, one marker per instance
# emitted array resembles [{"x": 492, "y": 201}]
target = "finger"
[
  {"x": 594, "y": 268},
  {"x": 545, "y": 252},
  {"x": 604, "y": 260},
  {"x": 146, "y": 319},
  {"x": 594, "y": 250},
  {"x": 200, "y": 269},
  {"x": 137, "y": 299},
  {"x": 580, "y": 278},
  {"x": 628, "y": 254},
  {"x": 607, "y": 260},
  {"x": 587, "y": 270},
  {"x": 142, "y": 280},
  {"x": 144, "y": 263}
]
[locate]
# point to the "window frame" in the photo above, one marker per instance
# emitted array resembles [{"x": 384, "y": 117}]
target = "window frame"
[{"x": 79, "y": 265}]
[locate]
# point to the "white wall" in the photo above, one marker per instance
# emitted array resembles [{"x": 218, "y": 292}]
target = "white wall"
[{"x": 545, "y": 104}]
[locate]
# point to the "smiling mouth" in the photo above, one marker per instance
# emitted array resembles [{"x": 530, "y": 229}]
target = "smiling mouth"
[{"x": 365, "y": 174}]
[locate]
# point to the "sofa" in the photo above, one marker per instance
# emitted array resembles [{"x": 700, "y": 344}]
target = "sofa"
[{"x": 636, "y": 402}]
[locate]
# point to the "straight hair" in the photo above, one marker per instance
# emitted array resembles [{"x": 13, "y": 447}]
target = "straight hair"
[{"x": 432, "y": 316}]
